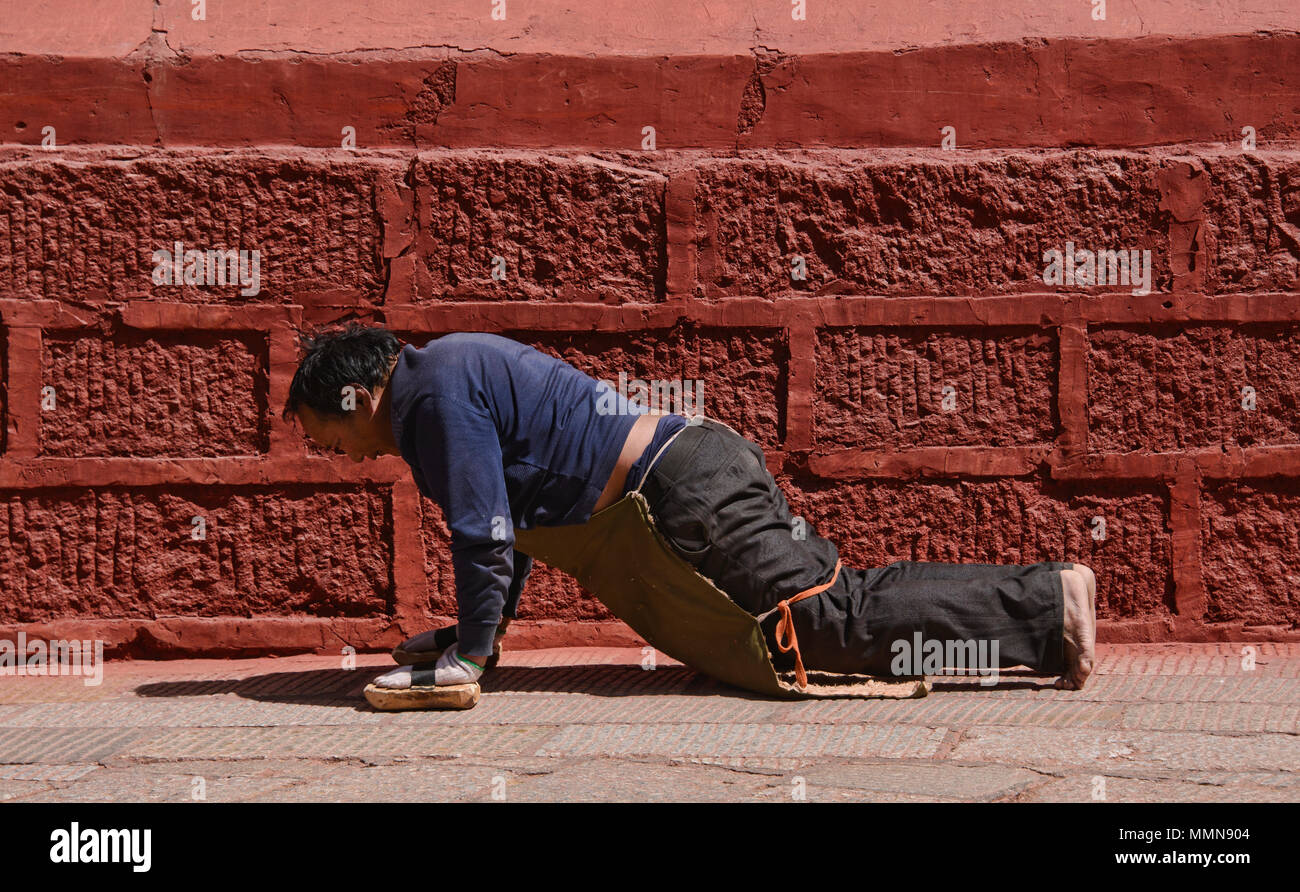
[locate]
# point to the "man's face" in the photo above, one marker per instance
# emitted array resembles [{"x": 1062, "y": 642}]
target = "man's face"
[{"x": 354, "y": 433}]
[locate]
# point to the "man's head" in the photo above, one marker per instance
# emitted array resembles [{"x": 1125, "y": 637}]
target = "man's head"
[{"x": 338, "y": 391}]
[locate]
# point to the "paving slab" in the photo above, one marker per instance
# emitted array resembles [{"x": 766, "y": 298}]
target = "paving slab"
[
  {"x": 1183, "y": 722},
  {"x": 1098, "y": 750}
]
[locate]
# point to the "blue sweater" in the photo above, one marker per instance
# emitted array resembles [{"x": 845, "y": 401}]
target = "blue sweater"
[{"x": 501, "y": 435}]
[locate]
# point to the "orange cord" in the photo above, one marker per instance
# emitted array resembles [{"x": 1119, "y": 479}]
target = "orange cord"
[{"x": 786, "y": 625}]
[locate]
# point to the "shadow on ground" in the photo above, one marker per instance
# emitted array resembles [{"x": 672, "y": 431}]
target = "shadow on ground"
[{"x": 343, "y": 687}]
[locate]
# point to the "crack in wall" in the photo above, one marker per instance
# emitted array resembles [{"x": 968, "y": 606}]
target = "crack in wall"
[{"x": 753, "y": 102}]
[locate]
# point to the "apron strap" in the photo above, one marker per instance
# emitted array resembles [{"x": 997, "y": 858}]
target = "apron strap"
[
  {"x": 648, "y": 468},
  {"x": 646, "y": 473},
  {"x": 785, "y": 625}
]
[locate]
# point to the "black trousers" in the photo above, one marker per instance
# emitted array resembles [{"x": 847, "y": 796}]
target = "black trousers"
[{"x": 718, "y": 507}]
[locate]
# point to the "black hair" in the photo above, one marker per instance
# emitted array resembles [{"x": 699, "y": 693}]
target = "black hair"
[{"x": 333, "y": 358}]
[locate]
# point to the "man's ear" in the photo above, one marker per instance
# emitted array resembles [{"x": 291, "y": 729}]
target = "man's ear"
[
  {"x": 355, "y": 398},
  {"x": 365, "y": 400}
]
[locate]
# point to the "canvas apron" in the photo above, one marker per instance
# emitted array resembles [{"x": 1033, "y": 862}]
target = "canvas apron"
[{"x": 622, "y": 558}]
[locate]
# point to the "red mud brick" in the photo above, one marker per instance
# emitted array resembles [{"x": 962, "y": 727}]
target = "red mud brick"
[
  {"x": 1001, "y": 522},
  {"x": 1249, "y": 531},
  {"x": 299, "y": 551},
  {"x": 741, "y": 371},
  {"x": 1252, "y": 221},
  {"x": 883, "y": 388},
  {"x": 176, "y": 394},
  {"x": 299, "y": 100},
  {"x": 598, "y": 102},
  {"x": 1163, "y": 388},
  {"x": 575, "y": 229},
  {"x": 85, "y": 100},
  {"x": 911, "y": 223},
  {"x": 87, "y": 229},
  {"x": 1030, "y": 92}
]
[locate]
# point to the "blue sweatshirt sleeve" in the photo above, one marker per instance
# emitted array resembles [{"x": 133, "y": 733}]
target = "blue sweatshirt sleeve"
[
  {"x": 523, "y": 566},
  {"x": 460, "y": 460}
]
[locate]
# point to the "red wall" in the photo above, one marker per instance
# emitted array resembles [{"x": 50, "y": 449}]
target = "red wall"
[{"x": 819, "y": 140}]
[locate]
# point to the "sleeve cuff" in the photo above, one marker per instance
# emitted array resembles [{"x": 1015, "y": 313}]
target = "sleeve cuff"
[{"x": 475, "y": 639}]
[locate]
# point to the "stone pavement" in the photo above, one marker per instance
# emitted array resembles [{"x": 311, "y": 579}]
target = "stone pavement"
[{"x": 1182, "y": 722}]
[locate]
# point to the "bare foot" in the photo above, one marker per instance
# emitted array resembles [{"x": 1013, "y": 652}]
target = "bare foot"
[
  {"x": 1091, "y": 579},
  {"x": 1080, "y": 631}
]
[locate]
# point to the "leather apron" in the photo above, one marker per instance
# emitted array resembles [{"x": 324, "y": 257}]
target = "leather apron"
[{"x": 622, "y": 558}]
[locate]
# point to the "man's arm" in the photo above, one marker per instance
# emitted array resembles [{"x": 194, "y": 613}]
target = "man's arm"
[{"x": 460, "y": 458}]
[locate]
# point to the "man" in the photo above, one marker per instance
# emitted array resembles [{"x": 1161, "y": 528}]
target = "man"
[{"x": 503, "y": 436}]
